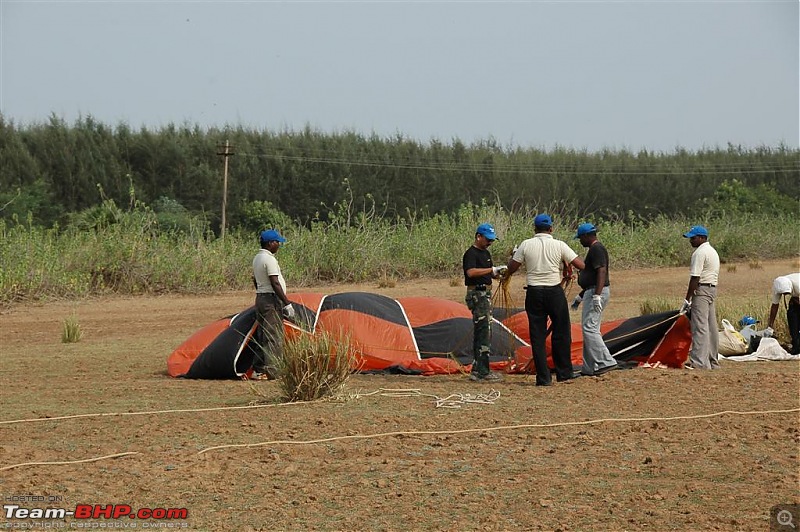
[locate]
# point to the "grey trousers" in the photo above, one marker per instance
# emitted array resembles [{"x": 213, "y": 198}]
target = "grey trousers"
[
  {"x": 705, "y": 332},
  {"x": 595, "y": 351}
]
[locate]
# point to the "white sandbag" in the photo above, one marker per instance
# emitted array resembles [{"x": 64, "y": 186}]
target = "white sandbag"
[{"x": 768, "y": 349}]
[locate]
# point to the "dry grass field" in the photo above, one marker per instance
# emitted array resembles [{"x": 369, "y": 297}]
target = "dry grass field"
[{"x": 638, "y": 449}]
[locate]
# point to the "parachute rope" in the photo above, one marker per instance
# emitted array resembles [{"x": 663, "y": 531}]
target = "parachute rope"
[
  {"x": 388, "y": 393},
  {"x": 96, "y": 459},
  {"x": 494, "y": 429}
]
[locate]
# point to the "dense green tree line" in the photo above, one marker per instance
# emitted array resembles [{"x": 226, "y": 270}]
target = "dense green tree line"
[{"x": 53, "y": 169}]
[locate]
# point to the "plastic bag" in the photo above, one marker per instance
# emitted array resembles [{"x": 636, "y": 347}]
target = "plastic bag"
[{"x": 730, "y": 341}]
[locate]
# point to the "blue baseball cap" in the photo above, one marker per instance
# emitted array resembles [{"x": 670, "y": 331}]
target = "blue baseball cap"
[
  {"x": 543, "y": 220},
  {"x": 696, "y": 230},
  {"x": 748, "y": 320},
  {"x": 585, "y": 229},
  {"x": 487, "y": 230},
  {"x": 271, "y": 235}
]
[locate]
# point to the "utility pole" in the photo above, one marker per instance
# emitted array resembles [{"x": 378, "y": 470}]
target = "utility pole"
[{"x": 227, "y": 151}]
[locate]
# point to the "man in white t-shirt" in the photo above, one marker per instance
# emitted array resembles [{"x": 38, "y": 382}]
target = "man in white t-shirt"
[
  {"x": 545, "y": 258},
  {"x": 271, "y": 305},
  {"x": 786, "y": 285},
  {"x": 701, "y": 298}
]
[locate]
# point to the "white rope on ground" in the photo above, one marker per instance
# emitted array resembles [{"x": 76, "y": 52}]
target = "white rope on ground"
[
  {"x": 386, "y": 392},
  {"x": 6, "y": 468},
  {"x": 457, "y": 400},
  {"x": 454, "y": 400},
  {"x": 436, "y": 432},
  {"x": 492, "y": 429}
]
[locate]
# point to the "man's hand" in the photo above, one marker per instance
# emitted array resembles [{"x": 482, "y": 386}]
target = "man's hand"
[
  {"x": 597, "y": 303},
  {"x": 769, "y": 332},
  {"x": 686, "y": 307},
  {"x": 288, "y": 311},
  {"x": 499, "y": 271},
  {"x": 576, "y": 302}
]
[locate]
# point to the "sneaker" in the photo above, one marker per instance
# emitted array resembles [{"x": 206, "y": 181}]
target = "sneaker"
[
  {"x": 258, "y": 376},
  {"x": 475, "y": 377},
  {"x": 492, "y": 377}
]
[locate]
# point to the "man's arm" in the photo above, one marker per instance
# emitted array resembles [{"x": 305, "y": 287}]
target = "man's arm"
[
  {"x": 479, "y": 272},
  {"x": 276, "y": 285},
  {"x": 512, "y": 266},
  {"x": 601, "y": 280},
  {"x": 773, "y": 313},
  {"x": 578, "y": 263},
  {"x": 694, "y": 283}
]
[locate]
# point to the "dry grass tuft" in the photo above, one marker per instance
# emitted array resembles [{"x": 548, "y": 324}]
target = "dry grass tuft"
[
  {"x": 731, "y": 268},
  {"x": 456, "y": 281},
  {"x": 387, "y": 281},
  {"x": 71, "y": 331},
  {"x": 315, "y": 367},
  {"x": 656, "y": 305},
  {"x": 755, "y": 264}
]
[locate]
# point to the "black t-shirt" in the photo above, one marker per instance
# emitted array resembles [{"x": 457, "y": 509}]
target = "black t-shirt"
[
  {"x": 477, "y": 258},
  {"x": 597, "y": 257}
]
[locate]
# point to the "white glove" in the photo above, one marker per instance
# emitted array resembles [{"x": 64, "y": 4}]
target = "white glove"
[
  {"x": 499, "y": 271},
  {"x": 768, "y": 332},
  {"x": 597, "y": 303},
  {"x": 576, "y": 302},
  {"x": 288, "y": 311},
  {"x": 686, "y": 307}
]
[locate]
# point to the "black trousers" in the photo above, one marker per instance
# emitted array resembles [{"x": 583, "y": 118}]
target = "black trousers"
[
  {"x": 542, "y": 302},
  {"x": 793, "y": 317}
]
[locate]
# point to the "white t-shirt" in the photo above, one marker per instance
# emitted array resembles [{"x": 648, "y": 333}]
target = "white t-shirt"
[
  {"x": 705, "y": 264},
  {"x": 542, "y": 257},
  {"x": 264, "y": 265},
  {"x": 795, "y": 279}
]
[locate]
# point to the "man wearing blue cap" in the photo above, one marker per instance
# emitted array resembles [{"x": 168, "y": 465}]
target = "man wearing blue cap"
[
  {"x": 544, "y": 257},
  {"x": 271, "y": 303},
  {"x": 478, "y": 275},
  {"x": 700, "y": 299},
  {"x": 595, "y": 285}
]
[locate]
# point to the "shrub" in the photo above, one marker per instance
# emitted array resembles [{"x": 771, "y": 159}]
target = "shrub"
[
  {"x": 314, "y": 367},
  {"x": 71, "y": 332}
]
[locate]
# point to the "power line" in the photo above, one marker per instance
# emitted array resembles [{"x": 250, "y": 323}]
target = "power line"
[{"x": 521, "y": 168}]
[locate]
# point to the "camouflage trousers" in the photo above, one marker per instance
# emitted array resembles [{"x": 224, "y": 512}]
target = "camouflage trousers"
[{"x": 480, "y": 303}]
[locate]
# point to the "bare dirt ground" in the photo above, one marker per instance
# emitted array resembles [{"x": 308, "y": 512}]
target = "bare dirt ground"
[{"x": 635, "y": 449}]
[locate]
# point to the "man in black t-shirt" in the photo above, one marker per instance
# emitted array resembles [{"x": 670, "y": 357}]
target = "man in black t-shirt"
[
  {"x": 478, "y": 275},
  {"x": 595, "y": 294}
]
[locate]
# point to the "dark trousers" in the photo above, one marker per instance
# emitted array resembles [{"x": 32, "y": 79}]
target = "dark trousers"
[
  {"x": 542, "y": 302},
  {"x": 269, "y": 334},
  {"x": 793, "y": 317}
]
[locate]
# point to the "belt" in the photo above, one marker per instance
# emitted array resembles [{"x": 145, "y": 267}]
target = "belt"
[
  {"x": 708, "y": 284},
  {"x": 479, "y": 287}
]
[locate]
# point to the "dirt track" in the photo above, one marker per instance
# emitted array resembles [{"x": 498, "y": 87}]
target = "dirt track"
[{"x": 596, "y": 453}]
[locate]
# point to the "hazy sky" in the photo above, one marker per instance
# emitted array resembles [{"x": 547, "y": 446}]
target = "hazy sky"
[{"x": 632, "y": 75}]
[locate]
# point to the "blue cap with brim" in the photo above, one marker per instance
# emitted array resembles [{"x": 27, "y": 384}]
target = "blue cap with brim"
[
  {"x": 697, "y": 230},
  {"x": 748, "y": 320},
  {"x": 487, "y": 230},
  {"x": 543, "y": 220},
  {"x": 585, "y": 229},
  {"x": 271, "y": 235}
]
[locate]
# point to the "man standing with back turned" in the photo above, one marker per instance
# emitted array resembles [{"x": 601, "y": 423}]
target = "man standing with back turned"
[
  {"x": 271, "y": 303},
  {"x": 544, "y": 257},
  {"x": 700, "y": 299},
  {"x": 595, "y": 284},
  {"x": 478, "y": 274}
]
